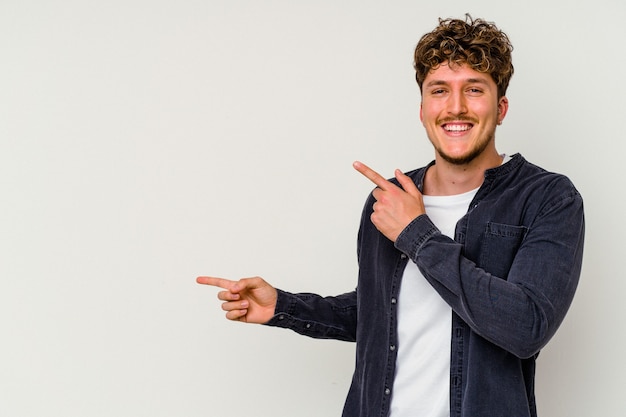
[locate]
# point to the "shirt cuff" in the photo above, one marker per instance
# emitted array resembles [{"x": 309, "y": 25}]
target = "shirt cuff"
[
  {"x": 285, "y": 306},
  {"x": 413, "y": 237}
]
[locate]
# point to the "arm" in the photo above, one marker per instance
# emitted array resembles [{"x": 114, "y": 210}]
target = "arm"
[
  {"x": 316, "y": 316},
  {"x": 522, "y": 312},
  {"x": 519, "y": 311},
  {"x": 253, "y": 300}
]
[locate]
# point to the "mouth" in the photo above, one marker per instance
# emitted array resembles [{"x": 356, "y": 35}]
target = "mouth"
[{"x": 457, "y": 127}]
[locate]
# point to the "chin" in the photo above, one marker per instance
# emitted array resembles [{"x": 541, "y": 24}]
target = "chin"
[
  {"x": 460, "y": 158},
  {"x": 464, "y": 156}
]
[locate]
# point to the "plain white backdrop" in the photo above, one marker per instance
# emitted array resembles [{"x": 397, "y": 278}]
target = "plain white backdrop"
[{"x": 144, "y": 143}]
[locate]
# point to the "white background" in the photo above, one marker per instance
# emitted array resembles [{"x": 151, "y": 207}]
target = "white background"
[{"x": 145, "y": 142}]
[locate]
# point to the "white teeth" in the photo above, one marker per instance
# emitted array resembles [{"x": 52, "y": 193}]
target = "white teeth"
[{"x": 457, "y": 128}]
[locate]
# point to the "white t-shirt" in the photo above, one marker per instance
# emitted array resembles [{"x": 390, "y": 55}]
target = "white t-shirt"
[{"x": 422, "y": 383}]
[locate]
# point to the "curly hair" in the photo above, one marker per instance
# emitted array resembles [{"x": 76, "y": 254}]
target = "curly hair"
[{"x": 477, "y": 43}]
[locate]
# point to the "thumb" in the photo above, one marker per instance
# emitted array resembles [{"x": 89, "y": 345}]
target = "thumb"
[
  {"x": 407, "y": 183},
  {"x": 246, "y": 284}
]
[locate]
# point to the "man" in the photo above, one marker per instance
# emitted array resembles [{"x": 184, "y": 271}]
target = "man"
[{"x": 466, "y": 266}]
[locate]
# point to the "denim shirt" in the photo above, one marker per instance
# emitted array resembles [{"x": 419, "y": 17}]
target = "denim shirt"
[{"x": 509, "y": 275}]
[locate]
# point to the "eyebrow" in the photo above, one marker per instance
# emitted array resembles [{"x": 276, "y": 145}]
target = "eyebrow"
[{"x": 467, "y": 81}]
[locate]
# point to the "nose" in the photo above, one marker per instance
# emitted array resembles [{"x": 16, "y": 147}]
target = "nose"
[{"x": 457, "y": 104}]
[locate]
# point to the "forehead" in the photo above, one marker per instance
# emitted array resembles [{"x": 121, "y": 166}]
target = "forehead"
[{"x": 454, "y": 74}]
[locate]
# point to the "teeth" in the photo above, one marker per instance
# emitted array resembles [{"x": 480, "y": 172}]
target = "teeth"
[{"x": 457, "y": 128}]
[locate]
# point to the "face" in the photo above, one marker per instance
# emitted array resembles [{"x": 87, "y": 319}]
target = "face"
[{"x": 460, "y": 111}]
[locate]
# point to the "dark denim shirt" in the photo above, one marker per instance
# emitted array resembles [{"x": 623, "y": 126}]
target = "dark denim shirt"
[{"x": 509, "y": 275}]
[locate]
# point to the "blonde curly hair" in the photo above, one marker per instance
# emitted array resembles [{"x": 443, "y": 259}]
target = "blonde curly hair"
[{"x": 474, "y": 42}]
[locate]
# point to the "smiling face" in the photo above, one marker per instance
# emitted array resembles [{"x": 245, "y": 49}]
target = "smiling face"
[{"x": 460, "y": 111}]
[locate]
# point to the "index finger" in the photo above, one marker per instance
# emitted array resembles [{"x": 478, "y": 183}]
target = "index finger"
[
  {"x": 216, "y": 282},
  {"x": 372, "y": 175}
]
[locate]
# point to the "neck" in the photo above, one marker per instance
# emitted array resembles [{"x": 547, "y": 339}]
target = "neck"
[{"x": 445, "y": 178}]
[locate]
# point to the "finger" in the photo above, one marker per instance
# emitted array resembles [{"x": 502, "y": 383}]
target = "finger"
[
  {"x": 407, "y": 183},
  {"x": 236, "y": 315},
  {"x": 235, "y": 305},
  {"x": 227, "y": 296},
  {"x": 372, "y": 175},
  {"x": 216, "y": 282}
]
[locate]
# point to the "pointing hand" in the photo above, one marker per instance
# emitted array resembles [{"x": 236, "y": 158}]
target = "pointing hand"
[{"x": 395, "y": 206}]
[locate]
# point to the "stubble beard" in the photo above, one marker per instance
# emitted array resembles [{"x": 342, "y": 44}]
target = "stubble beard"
[
  {"x": 466, "y": 159},
  {"x": 469, "y": 157}
]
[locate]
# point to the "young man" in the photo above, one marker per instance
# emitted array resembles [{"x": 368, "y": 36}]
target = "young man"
[{"x": 467, "y": 266}]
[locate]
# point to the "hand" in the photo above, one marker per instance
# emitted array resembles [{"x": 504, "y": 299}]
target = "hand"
[
  {"x": 395, "y": 207},
  {"x": 251, "y": 300}
]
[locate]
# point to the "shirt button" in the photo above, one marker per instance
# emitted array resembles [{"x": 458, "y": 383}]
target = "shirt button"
[
  {"x": 392, "y": 348},
  {"x": 403, "y": 256},
  {"x": 387, "y": 391},
  {"x": 393, "y": 300},
  {"x": 308, "y": 325}
]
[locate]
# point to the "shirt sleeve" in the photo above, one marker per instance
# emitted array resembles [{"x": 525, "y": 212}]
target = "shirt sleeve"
[{"x": 316, "y": 316}]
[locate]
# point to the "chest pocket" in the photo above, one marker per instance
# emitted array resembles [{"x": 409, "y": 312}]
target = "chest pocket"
[{"x": 500, "y": 245}]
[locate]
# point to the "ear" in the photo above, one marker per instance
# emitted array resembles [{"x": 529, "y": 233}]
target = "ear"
[
  {"x": 503, "y": 108},
  {"x": 421, "y": 115}
]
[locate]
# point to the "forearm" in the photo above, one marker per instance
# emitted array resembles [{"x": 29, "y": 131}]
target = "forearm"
[
  {"x": 316, "y": 316},
  {"x": 519, "y": 312}
]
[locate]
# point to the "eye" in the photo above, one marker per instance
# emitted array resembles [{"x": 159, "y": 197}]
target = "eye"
[{"x": 474, "y": 91}]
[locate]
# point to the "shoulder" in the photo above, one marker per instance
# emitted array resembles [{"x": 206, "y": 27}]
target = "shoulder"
[
  {"x": 526, "y": 174},
  {"x": 533, "y": 186}
]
